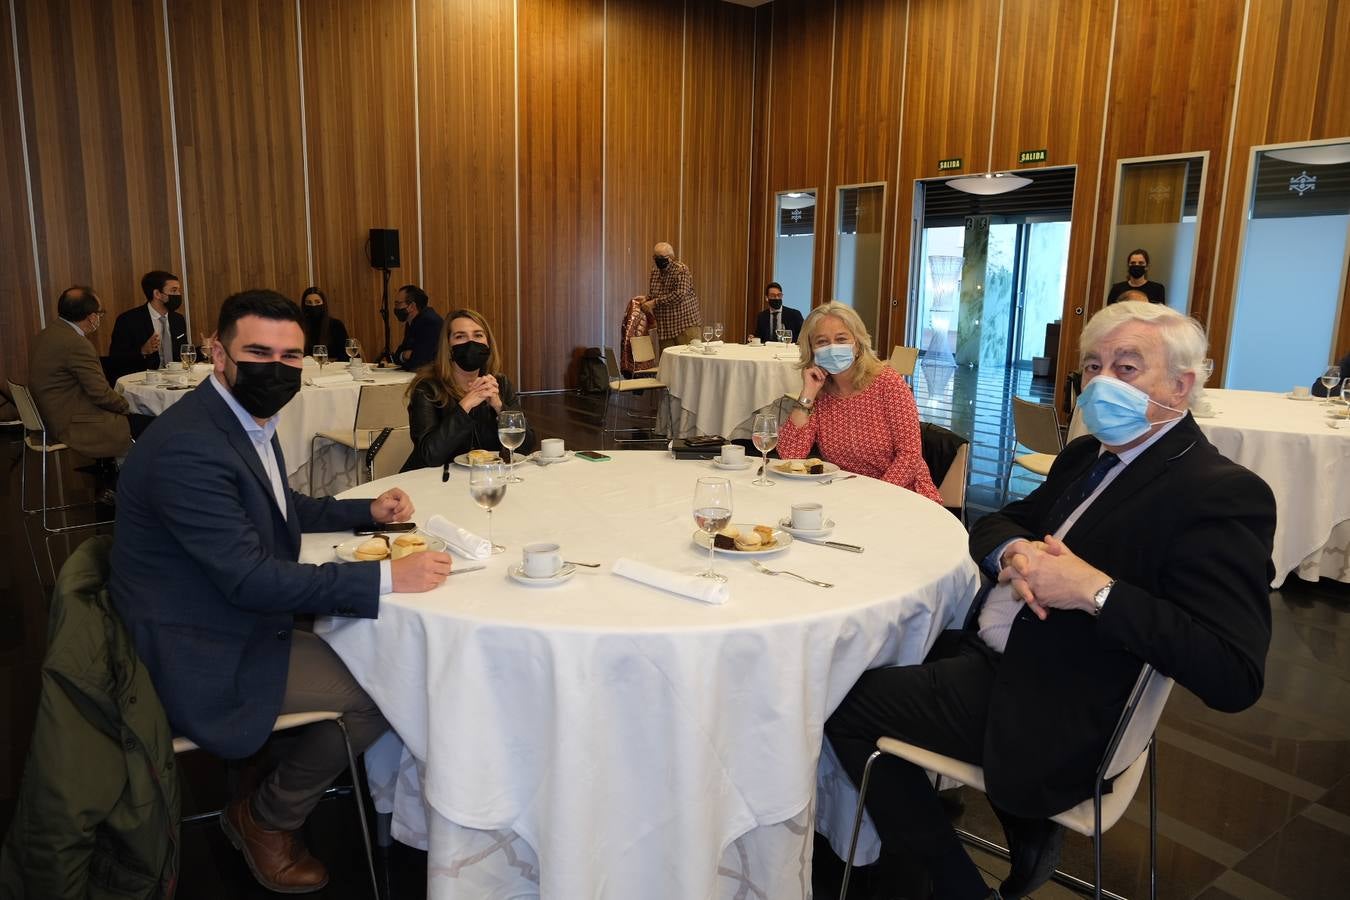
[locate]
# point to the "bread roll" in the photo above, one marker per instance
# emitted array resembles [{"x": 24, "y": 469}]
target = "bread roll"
[
  {"x": 749, "y": 541},
  {"x": 408, "y": 544},
  {"x": 373, "y": 549}
]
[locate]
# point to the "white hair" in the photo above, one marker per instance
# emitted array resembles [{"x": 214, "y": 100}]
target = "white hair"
[{"x": 1184, "y": 341}]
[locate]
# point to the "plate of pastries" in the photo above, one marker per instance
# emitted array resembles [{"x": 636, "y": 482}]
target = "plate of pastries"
[
  {"x": 740, "y": 539},
  {"x": 375, "y": 547},
  {"x": 803, "y": 468},
  {"x": 484, "y": 457}
]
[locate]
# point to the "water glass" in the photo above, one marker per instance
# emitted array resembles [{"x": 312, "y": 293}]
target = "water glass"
[
  {"x": 320, "y": 355},
  {"x": 717, "y": 331},
  {"x": 712, "y": 513},
  {"x": 353, "y": 348},
  {"x": 511, "y": 433},
  {"x": 487, "y": 487},
  {"x": 1329, "y": 379},
  {"x": 707, "y": 333},
  {"x": 784, "y": 335},
  {"x": 765, "y": 437},
  {"x": 188, "y": 355}
]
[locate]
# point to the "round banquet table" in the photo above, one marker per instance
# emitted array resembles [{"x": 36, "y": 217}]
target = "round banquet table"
[
  {"x": 328, "y": 407},
  {"x": 1291, "y": 444},
  {"x": 719, "y": 393},
  {"x": 606, "y": 739}
]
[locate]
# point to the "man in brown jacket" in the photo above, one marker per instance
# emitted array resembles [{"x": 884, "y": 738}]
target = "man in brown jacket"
[{"x": 77, "y": 404}]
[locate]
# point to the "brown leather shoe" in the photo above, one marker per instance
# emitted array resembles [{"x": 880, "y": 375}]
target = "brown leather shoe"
[{"x": 278, "y": 859}]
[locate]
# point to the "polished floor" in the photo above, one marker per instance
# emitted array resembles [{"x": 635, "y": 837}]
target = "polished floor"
[{"x": 1252, "y": 806}]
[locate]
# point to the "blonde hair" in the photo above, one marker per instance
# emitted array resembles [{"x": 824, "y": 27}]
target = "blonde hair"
[
  {"x": 438, "y": 375},
  {"x": 1183, "y": 338},
  {"x": 865, "y": 366}
]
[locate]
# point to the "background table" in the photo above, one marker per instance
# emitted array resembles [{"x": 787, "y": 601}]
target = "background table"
[
  {"x": 1290, "y": 444},
  {"x": 314, "y": 409},
  {"x": 604, "y": 739},
  {"x": 720, "y": 393}
]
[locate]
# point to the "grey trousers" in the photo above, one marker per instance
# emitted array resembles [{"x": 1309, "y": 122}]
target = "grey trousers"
[{"x": 317, "y": 680}]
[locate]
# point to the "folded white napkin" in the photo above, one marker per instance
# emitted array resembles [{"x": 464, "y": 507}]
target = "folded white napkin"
[
  {"x": 691, "y": 586},
  {"x": 465, "y": 543},
  {"x": 322, "y": 380},
  {"x": 714, "y": 343}
]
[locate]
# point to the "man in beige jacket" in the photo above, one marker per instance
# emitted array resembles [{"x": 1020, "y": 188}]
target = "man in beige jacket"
[{"x": 78, "y": 406}]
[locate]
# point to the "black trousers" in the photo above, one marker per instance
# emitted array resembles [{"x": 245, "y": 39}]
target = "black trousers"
[{"x": 941, "y": 705}]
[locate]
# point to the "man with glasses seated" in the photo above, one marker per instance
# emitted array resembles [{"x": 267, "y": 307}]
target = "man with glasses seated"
[{"x": 1143, "y": 545}]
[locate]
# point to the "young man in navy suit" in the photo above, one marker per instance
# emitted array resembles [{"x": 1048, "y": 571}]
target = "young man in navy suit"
[
  {"x": 776, "y": 315},
  {"x": 150, "y": 336},
  {"x": 206, "y": 578}
]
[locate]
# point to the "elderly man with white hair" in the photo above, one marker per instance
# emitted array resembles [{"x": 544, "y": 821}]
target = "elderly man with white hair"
[
  {"x": 1144, "y": 545},
  {"x": 671, "y": 298}
]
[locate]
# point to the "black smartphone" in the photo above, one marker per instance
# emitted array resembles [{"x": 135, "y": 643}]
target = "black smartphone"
[
  {"x": 392, "y": 526},
  {"x": 592, "y": 455}
]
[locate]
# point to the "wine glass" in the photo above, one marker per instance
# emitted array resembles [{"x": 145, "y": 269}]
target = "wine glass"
[
  {"x": 188, "y": 355},
  {"x": 712, "y": 512},
  {"x": 1345, "y": 397},
  {"x": 1329, "y": 379},
  {"x": 717, "y": 331},
  {"x": 511, "y": 432},
  {"x": 1207, "y": 367},
  {"x": 320, "y": 353},
  {"x": 487, "y": 487},
  {"x": 206, "y": 349},
  {"x": 765, "y": 437},
  {"x": 784, "y": 335},
  {"x": 707, "y": 333},
  {"x": 353, "y": 348}
]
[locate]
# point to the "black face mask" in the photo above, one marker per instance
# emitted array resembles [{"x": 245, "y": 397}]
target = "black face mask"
[
  {"x": 401, "y": 313},
  {"x": 776, "y": 303},
  {"x": 263, "y": 388},
  {"x": 1138, "y": 271},
  {"x": 173, "y": 301},
  {"x": 661, "y": 261},
  {"x": 314, "y": 313},
  {"x": 471, "y": 356}
]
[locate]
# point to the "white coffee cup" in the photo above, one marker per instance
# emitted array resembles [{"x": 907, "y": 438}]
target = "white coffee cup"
[
  {"x": 152, "y": 376},
  {"x": 177, "y": 379},
  {"x": 541, "y": 560},
  {"x": 1302, "y": 390},
  {"x": 808, "y": 516},
  {"x": 552, "y": 448},
  {"x": 754, "y": 342},
  {"x": 733, "y": 455}
]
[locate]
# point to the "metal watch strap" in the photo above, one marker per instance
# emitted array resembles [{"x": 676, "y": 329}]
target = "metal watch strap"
[{"x": 1099, "y": 598}]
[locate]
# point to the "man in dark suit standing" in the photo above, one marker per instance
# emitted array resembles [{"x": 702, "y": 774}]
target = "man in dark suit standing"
[
  {"x": 206, "y": 578},
  {"x": 1144, "y": 545},
  {"x": 149, "y": 336},
  {"x": 422, "y": 331},
  {"x": 776, "y": 315}
]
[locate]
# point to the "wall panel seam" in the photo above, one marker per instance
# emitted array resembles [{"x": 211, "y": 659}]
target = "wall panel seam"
[
  {"x": 684, "y": 99},
  {"x": 417, "y": 146},
  {"x": 304, "y": 139},
  {"x": 604, "y": 171},
  {"x": 1224, "y": 190},
  {"x": 177, "y": 177},
  {"x": 515, "y": 94},
  {"x": 1101, "y": 163},
  {"x": 827, "y": 187},
  {"x": 27, "y": 168},
  {"x": 993, "y": 104},
  {"x": 750, "y": 167},
  {"x": 899, "y": 193}
]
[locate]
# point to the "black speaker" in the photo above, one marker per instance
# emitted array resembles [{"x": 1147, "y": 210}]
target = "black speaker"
[{"x": 384, "y": 248}]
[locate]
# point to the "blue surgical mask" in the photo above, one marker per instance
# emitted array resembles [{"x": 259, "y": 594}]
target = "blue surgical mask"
[
  {"x": 834, "y": 358},
  {"x": 1115, "y": 412}
]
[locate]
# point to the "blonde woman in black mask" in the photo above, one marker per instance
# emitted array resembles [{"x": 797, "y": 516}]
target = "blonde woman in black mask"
[
  {"x": 454, "y": 400},
  {"x": 321, "y": 327}
]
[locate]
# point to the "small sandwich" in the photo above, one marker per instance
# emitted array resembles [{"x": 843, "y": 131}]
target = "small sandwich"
[
  {"x": 726, "y": 538},
  {"x": 374, "y": 549},
  {"x": 479, "y": 457},
  {"x": 750, "y": 540},
  {"x": 766, "y": 538},
  {"x": 408, "y": 544},
  {"x": 796, "y": 466}
]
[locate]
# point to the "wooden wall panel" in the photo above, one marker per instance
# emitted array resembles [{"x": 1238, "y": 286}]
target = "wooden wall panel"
[
  {"x": 19, "y": 301},
  {"x": 561, "y": 94},
  {"x": 759, "y": 256},
  {"x": 237, "y": 93},
  {"x": 96, "y": 99},
  {"x": 466, "y": 89},
  {"x": 719, "y": 71},
  {"x": 644, "y": 59},
  {"x": 362, "y": 166},
  {"x": 1295, "y": 81}
]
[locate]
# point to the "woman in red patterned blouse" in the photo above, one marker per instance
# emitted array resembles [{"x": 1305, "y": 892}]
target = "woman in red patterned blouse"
[{"x": 857, "y": 410}]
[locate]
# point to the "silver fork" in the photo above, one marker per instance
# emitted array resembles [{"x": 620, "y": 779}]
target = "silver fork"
[
  {"x": 836, "y": 478},
  {"x": 767, "y": 571}
]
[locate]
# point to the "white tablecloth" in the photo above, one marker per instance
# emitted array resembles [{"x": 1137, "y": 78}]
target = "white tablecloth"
[
  {"x": 314, "y": 409},
  {"x": 1290, "y": 444},
  {"x": 720, "y": 393},
  {"x": 604, "y": 739}
]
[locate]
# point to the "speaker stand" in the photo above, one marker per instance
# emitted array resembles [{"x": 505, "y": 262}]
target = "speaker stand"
[{"x": 387, "y": 355}]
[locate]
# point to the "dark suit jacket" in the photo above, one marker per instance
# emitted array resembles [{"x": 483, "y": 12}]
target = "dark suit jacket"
[
  {"x": 420, "y": 337},
  {"x": 132, "y": 329},
  {"x": 77, "y": 404},
  {"x": 204, "y": 572},
  {"x": 791, "y": 319},
  {"x": 1187, "y": 534}
]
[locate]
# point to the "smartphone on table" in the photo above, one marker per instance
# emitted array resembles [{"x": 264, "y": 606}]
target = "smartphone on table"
[
  {"x": 592, "y": 455},
  {"x": 381, "y": 529}
]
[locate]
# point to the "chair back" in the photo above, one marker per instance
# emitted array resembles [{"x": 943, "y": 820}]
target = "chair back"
[
  {"x": 643, "y": 351},
  {"x": 398, "y": 446},
  {"x": 612, "y": 365},
  {"x": 28, "y": 411},
  {"x": 903, "y": 359},
  {"x": 1077, "y": 428},
  {"x": 1138, "y": 720},
  {"x": 1036, "y": 426},
  {"x": 381, "y": 406},
  {"x": 947, "y": 456},
  {"x": 953, "y": 486}
]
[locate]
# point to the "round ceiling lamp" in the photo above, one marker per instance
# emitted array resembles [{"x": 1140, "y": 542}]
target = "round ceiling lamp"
[
  {"x": 989, "y": 183},
  {"x": 1324, "y": 155}
]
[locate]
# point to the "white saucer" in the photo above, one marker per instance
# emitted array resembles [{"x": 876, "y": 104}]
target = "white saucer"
[
  {"x": 1291, "y": 396},
  {"x": 517, "y": 574},
  {"x": 717, "y": 461},
  {"x": 543, "y": 460},
  {"x": 786, "y": 524}
]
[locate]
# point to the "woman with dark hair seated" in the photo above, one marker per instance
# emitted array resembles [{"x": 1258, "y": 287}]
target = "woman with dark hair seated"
[
  {"x": 321, "y": 327},
  {"x": 454, "y": 400}
]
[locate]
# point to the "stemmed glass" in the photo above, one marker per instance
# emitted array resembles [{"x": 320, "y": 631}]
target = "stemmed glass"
[
  {"x": 717, "y": 331},
  {"x": 707, "y": 333},
  {"x": 765, "y": 437},
  {"x": 353, "y": 348},
  {"x": 320, "y": 355},
  {"x": 511, "y": 432},
  {"x": 1329, "y": 379},
  {"x": 487, "y": 487},
  {"x": 784, "y": 335},
  {"x": 188, "y": 356},
  {"x": 712, "y": 512},
  {"x": 1345, "y": 397},
  {"x": 1207, "y": 367}
]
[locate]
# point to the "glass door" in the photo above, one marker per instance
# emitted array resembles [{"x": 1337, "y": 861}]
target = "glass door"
[
  {"x": 858, "y": 251},
  {"x": 794, "y": 247}
]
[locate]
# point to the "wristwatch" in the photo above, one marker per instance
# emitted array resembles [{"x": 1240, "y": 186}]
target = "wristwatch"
[
  {"x": 806, "y": 402},
  {"x": 1099, "y": 598}
]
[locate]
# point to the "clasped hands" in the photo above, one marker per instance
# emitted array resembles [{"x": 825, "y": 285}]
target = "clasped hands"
[
  {"x": 1047, "y": 575},
  {"x": 482, "y": 389},
  {"x": 420, "y": 571}
]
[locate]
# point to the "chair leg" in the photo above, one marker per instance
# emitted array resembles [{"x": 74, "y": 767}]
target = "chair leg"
[
  {"x": 360, "y": 806},
  {"x": 857, "y": 823},
  {"x": 1153, "y": 819}
]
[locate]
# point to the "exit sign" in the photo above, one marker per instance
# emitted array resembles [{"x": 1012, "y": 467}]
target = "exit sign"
[
  {"x": 1031, "y": 156},
  {"x": 945, "y": 165}
]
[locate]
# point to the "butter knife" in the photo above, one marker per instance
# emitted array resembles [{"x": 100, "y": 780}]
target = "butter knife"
[
  {"x": 467, "y": 569},
  {"x": 851, "y": 548}
]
